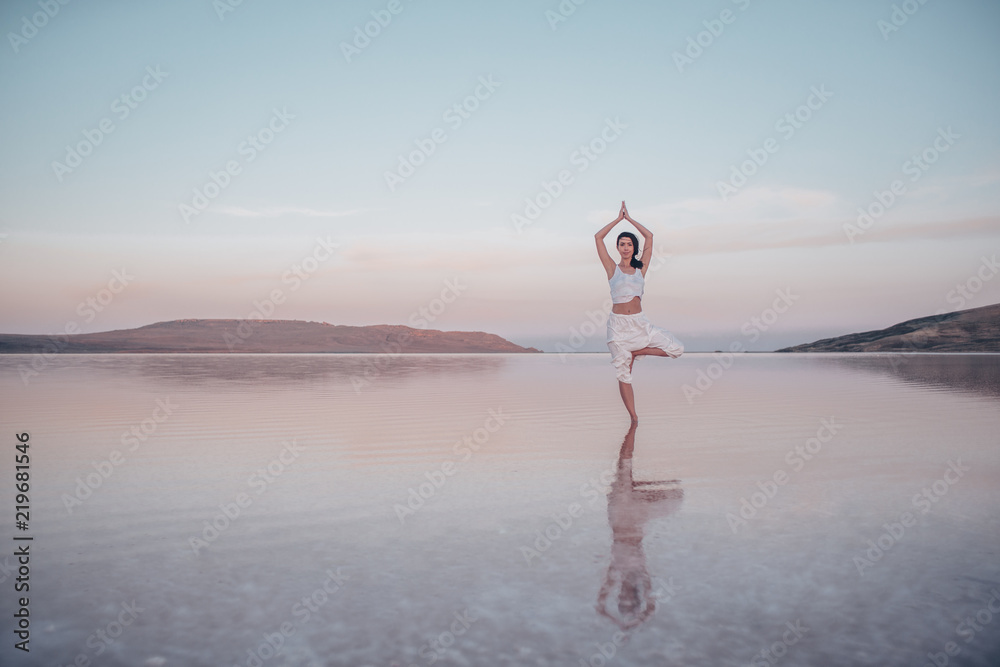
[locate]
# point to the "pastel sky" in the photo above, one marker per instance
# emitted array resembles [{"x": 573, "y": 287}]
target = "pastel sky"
[{"x": 216, "y": 154}]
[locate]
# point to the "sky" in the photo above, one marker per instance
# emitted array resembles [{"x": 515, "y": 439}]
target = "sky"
[{"x": 808, "y": 169}]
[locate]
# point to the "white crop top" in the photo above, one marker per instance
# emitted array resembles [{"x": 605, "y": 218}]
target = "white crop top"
[{"x": 625, "y": 287}]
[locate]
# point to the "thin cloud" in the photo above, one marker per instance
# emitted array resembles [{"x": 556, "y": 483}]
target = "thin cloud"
[
  {"x": 277, "y": 211},
  {"x": 761, "y": 218},
  {"x": 985, "y": 226},
  {"x": 804, "y": 233},
  {"x": 988, "y": 177},
  {"x": 752, "y": 203}
]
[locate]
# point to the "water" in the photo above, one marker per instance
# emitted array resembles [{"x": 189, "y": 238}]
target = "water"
[{"x": 497, "y": 510}]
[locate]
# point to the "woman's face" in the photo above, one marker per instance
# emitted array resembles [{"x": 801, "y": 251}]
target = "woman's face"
[{"x": 625, "y": 247}]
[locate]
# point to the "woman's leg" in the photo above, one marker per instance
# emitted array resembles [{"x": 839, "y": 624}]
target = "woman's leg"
[
  {"x": 660, "y": 343},
  {"x": 655, "y": 351},
  {"x": 621, "y": 359},
  {"x": 628, "y": 397}
]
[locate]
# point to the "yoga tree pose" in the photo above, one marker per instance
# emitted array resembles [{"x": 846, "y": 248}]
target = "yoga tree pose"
[{"x": 630, "y": 334}]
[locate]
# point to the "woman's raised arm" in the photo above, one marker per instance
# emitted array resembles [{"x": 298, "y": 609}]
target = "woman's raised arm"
[
  {"x": 646, "y": 234},
  {"x": 602, "y": 251},
  {"x": 647, "y": 250}
]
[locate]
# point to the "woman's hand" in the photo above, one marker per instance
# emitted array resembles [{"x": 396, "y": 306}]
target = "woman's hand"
[{"x": 622, "y": 213}]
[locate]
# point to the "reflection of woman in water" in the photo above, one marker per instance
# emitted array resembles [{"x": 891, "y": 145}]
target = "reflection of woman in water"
[
  {"x": 630, "y": 506},
  {"x": 630, "y": 334}
]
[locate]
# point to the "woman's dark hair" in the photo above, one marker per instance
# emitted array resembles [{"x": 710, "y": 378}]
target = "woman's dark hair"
[{"x": 635, "y": 248}]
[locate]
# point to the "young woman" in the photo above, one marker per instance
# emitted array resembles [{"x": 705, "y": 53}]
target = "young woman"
[{"x": 630, "y": 334}]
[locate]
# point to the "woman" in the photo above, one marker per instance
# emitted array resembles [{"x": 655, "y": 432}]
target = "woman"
[{"x": 630, "y": 334}]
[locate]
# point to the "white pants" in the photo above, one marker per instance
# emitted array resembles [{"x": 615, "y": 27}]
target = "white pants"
[{"x": 628, "y": 333}]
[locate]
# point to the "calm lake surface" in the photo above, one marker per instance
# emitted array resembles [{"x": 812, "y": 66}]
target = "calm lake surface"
[{"x": 497, "y": 510}]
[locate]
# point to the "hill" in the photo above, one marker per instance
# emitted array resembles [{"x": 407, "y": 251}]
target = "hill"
[
  {"x": 973, "y": 330},
  {"x": 260, "y": 336}
]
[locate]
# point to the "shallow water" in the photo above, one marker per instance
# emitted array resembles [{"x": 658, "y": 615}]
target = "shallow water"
[{"x": 497, "y": 510}]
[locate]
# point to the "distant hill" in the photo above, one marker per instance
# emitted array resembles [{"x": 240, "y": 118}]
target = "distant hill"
[
  {"x": 973, "y": 330},
  {"x": 261, "y": 336}
]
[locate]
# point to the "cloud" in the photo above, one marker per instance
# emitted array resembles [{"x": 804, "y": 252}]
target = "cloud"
[
  {"x": 752, "y": 204},
  {"x": 496, "y": 249},
  {"x": 743, "y": 237},
  {"x": 771, "y": 218},
  {"x": 982, "y": 226},
  {"x": 501, "y": 249},
  {"x": 277, "y": 211}
]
